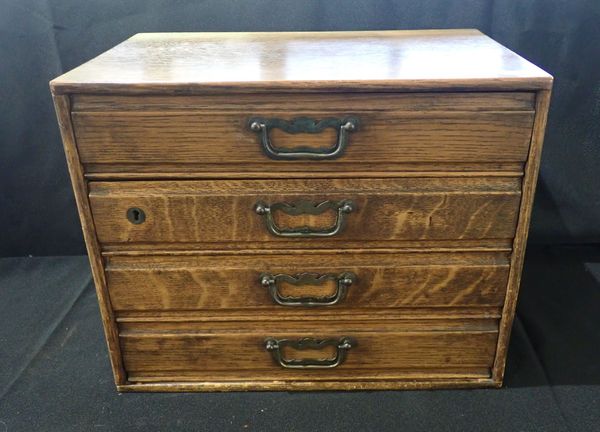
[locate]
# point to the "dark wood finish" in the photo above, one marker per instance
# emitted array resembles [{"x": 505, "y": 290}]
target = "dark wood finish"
[
  {"x": 208, "y": 131},
  {"x": 341, "y": 375},
  {"x": 303, "y": 246},
  {"x": 304, "y": 62},
  {"x": 442, "y": 171},
  {"x": 386, "y": 210},
  {"x": 420, "y": 313},
  {"x": 382, "y": 137},
  {"x": 80, "y": 189},
  {"x": 520, "y": 242},
  {"x": 417, "y": 322},
  {"x": 521, "y": 101},
  {"x": 383, "y": 280},
  {"x": 425, "y": 382},
  {"x": 142, "y": 171},
  {"x": 224, "y": 350}
]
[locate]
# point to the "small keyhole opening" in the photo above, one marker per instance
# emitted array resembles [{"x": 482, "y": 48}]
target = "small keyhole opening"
[{"x": 136, "y": 215}]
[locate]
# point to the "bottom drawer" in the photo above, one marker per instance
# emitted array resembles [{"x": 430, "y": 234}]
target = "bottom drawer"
[{"x": 308, "y": 351}]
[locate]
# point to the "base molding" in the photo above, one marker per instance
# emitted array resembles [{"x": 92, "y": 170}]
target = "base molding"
[{"x": 216, "y": 386}]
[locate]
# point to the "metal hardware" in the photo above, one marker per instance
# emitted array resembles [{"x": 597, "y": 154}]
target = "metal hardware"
[
  {"x": 305, "y": 207},
  {"x": 276, "y": 346},
  {"x": 136, "y": 215},
  {"x": 304, "y": 125},
  {"x": 343, "y": 280}
]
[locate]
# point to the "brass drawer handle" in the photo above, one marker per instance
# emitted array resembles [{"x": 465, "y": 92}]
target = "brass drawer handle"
[
  {"x": 343, "y": 281},
  {"x": 342, "y": 345},
  {"x": 303, "y": 125},
  {"x": 305, "y": 207}
]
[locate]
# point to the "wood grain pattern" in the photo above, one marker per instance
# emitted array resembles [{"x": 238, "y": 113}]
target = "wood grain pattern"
[
  {"x": 300, "y": 246},
  {"x": 173, "y": 318},
  {"x": 520, "y": 242},
  {"x": 290, "y": 170},
  {"x": 417, "y": 322},
  {"x": 382, "y": 137},
  {"x": 61, "y": 104},
  {"x": 424, "y": 382},
  {"x": 304, "y": 62},
  {"x": 342, "y": 376},
  {"x": 294, "y": 102},
  {"x": 383, "y": 280},
  {"x": 442, "y": 172},
  {"x": 223, "y": 211},
  {"x": 379, "y": 347}
]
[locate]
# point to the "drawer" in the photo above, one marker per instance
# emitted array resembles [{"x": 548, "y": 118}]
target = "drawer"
[
  {"x": 263, "y": 212},
  {"x": 216, "y": 133},
  {"x": 165, "y": 351},
  {"x": 284, "y": 283}
]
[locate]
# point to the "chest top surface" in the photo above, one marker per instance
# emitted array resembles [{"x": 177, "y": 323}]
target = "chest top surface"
[{"x": 418, "y": 60}]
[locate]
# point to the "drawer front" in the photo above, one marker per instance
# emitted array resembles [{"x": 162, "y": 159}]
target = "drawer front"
[
  {"x": 184, "y": 351},
  {"x": 387, "y": 128},
  {"x": 322, "y": 211},
  {"x": 282, "y": 283}
]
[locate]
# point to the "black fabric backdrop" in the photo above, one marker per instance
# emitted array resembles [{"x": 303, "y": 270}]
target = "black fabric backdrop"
[
  {"x": 54, "y": 370},
  {"x": 41, "y": 39}
]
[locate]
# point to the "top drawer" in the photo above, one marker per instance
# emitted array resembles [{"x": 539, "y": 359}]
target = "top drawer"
[{"x": 359, "y": 131}]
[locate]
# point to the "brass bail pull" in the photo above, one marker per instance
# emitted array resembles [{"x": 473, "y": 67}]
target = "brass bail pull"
[
  {"x": 341, "y": 345},
  {"x": 344, "y": 127},
  {"x": 343, "y": 282},
  {"x": 342, "y": 208}
]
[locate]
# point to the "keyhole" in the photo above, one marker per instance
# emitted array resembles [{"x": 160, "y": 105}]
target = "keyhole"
[{"x": 136, "y": 215}]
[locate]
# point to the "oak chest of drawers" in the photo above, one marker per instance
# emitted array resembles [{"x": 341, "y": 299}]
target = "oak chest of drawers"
[{"x": 300, "y": 211}]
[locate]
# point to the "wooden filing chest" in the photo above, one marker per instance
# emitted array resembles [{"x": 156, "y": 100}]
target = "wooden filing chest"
[{"x": 305, "y": 211}]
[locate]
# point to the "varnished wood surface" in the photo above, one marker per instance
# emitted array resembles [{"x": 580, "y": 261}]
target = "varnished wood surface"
[
  {"x": 307, "y": 61},
  {"x": 290, "y": 170},
  {"x": 382, "y": 281},
  {"x": 223, "y": 211},
  {"x": 292, "y": 102},
  {"x": 227, "y": 347},
  {"x": 418, "y": 322},
  {"x": 520, "y": 241},
  {"x": 342, "y": 376},
  {"x": 307, "y": 246},
  {"x": 80, "y": 190},
  {"x": 173, "y": 318},
  {"x": 423, "y": 383},
  {"x": 191, "y": 137},
  {"x": 442, "y": 170}
]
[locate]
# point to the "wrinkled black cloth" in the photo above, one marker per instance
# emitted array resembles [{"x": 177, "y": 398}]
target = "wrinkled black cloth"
[{"x": 55, "y": 373}]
